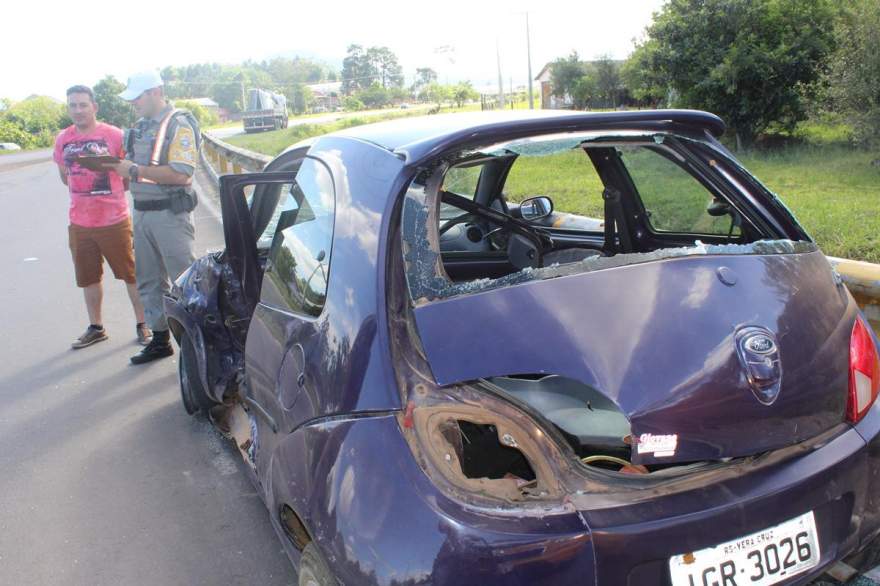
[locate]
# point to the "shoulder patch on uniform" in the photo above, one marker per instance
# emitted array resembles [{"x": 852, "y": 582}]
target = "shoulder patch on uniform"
[{"x": 183, "y": 146}]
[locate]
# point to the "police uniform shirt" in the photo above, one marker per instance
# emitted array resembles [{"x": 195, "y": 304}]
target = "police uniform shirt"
[{"x": 182, "y": 152}]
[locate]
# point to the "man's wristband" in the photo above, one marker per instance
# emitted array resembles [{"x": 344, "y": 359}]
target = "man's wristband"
[{"x": 133, "y": 172}]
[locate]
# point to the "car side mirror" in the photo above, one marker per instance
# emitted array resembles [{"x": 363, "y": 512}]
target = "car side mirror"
[
  {"x": 718, "y": 208},
  {"x": 535, "y": 208}
]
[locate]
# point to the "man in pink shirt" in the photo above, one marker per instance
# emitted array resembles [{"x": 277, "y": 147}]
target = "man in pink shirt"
[{"x": 100, "y": 225}]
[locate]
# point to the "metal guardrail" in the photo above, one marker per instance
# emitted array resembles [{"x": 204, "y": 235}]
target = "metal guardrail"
[
  {"x": 225, "y": 158},
  {"x": 863, "y": 281},
  {"x": 861, "y": 278}
]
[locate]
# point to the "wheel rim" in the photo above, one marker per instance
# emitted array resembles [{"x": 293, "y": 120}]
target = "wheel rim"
[{"x": 185, "y": 389}]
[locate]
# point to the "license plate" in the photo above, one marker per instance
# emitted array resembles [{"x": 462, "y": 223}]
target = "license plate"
[{"x": 762, "y": 558}]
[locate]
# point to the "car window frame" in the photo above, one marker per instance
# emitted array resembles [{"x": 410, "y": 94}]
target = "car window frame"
[{"x": 278, "y": 238}]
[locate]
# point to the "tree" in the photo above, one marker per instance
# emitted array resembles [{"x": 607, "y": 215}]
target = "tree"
[
  {"x": 585, "y": 91},
  {"x": 608, "y": 84},
  {"x": 10, "y": 132},
  {"x": 374, "y": 96},
  {"x": 362, "y": 67},
  {"x": 854, "y": 72},
  {"x": 564, "y": 74},
  {"x": 357, "y": 70},
  {"x": 464, "y": 92},
  {"x": 751, "y": 61},
  {"x": 352, "y": 104},
  {"x": 424, "y": 77},
  {"x": 39, "y": 116},
  {"x": 204, "y": 116},
  {"x": 437, "y": 93},
  {"x": 384, "y": 61},
  {"x": 300, "y": 98},
  {"x": 111, "y": 108},
  {"x": 642, "y": 76}
]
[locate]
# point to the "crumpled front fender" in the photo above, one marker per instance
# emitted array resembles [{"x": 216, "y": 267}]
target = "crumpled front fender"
[{"x": 194, "y": 303}]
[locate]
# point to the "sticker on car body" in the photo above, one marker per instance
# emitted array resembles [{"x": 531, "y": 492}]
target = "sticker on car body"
[{"x": 659, "y": 446}]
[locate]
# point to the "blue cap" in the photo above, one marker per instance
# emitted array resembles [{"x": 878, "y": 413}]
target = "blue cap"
[{"x": 141, "y": 82}]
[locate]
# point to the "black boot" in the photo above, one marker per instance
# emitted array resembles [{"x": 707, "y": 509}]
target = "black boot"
[{"x": 159, "y": 347}]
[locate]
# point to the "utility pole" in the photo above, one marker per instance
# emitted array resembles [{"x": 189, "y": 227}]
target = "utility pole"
[
  {"x": 529, "y": 54},
  {"x": 500, "y": 81}
]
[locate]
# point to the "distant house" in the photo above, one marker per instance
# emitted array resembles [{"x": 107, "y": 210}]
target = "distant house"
[
  {"x": 548, "y": 100},
  {"x": 326, "y": 95}
]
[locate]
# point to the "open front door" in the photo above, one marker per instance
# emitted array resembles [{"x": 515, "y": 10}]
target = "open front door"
[{"x": 249, "y": 206}]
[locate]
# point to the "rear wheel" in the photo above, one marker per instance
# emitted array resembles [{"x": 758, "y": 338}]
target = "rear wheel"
[
  {"x": 313, "y": 570},
  {"x": 868, "y": 558},
  {"x": 192, "y": 392}
]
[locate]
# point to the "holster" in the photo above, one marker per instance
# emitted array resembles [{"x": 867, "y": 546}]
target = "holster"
[{"x": 183, "y": 200}]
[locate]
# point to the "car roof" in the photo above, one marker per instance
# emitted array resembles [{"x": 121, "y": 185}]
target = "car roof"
[{"x": 420, "y": 138}]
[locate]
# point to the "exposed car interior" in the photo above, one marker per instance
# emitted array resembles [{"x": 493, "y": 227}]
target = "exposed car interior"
[{"x": 515, "y": 208}]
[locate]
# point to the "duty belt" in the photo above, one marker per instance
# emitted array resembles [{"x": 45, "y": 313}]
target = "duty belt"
[{"x": 152, "y": 205}]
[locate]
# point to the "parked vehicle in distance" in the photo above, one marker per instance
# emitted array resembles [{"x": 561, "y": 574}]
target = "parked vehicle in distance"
[
  {"x": 265, "y": 111},
  {"x": 9, "y": 146},
  {"x": 535, "y": 348}
]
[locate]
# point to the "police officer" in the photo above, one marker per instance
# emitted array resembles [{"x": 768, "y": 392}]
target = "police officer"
[{"x": 161, "y": 154}]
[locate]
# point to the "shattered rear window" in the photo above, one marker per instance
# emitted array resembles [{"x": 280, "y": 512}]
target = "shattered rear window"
[{"x": 428, "y": 280}]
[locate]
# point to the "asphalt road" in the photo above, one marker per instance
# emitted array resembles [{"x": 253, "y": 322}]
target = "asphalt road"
[
  {"x": 17, "y": 159},
  {"x": 104, "y": 479}
]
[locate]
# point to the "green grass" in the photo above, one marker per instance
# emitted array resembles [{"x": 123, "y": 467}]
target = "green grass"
[{"x": 834, "y": 191}]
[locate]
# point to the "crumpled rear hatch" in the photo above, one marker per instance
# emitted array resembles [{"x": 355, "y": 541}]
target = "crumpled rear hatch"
[{"x": 708, "y": 356}]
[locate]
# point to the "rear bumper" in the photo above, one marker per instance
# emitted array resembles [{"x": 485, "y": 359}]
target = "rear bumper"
[
  {"x": 260, "y": 123},
  {"x": 839, "y": 482},
  {"x": 368, "y": 505}
]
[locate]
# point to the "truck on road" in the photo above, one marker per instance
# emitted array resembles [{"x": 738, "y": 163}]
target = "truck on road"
[{"x": 265, "y": 111}]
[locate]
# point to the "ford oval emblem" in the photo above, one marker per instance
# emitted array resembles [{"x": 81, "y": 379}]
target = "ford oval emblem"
[
  {"x": 759, "y": 356},
  {"x": 760, "y": 344}
]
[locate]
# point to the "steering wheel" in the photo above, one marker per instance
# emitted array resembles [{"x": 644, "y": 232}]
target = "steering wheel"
[{"x": 523, "y": 240}]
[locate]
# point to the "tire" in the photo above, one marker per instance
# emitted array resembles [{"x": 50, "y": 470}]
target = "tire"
[
  {"x": 313, "y": 570},
  {"x": 868, "y": 558},
  {"x": 192, "y": 392}
]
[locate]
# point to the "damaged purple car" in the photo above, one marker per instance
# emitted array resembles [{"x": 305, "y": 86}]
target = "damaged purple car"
[{"x": 536, "y": 348}]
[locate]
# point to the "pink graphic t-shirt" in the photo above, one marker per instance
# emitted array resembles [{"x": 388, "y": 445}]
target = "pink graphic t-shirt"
[{"x": 96, "y": 198}]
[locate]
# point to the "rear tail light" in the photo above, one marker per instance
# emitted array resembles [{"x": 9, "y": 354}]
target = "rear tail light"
[{"x": 864, "y": 372}]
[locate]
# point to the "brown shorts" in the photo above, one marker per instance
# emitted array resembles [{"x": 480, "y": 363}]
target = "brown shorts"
[{"x": 89, "y": 246}]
